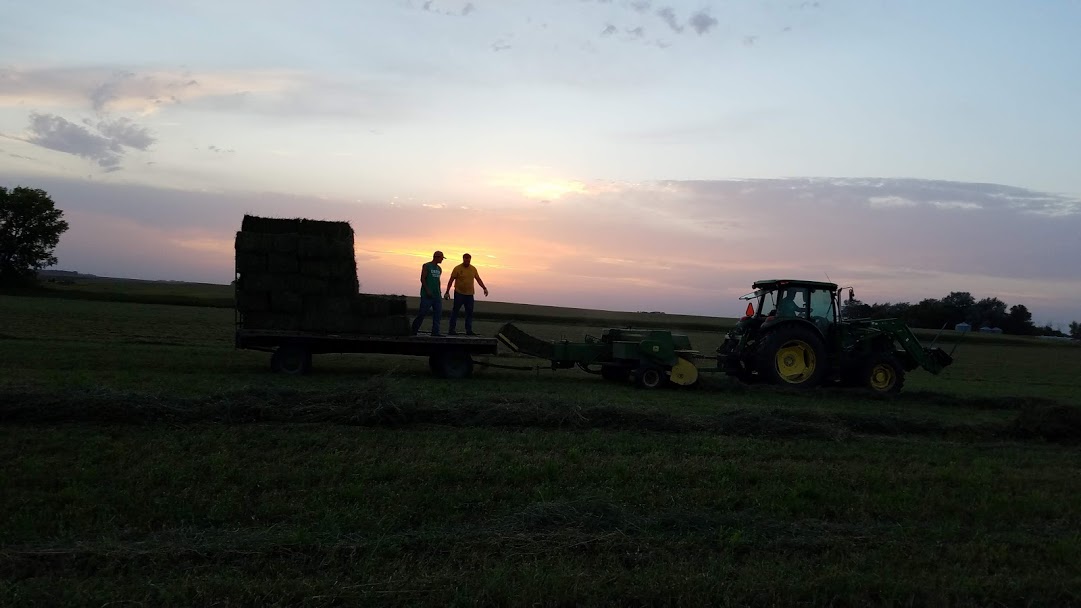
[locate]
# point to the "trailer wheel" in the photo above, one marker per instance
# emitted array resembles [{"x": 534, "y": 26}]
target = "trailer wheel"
[
  {"x": 291, "y": 360},
  {"x": 793, "y": 356},
  {"x": 883, "y": 374},
  {"x": 452, "y": 364},
  {"x": 648, "y": 377}
]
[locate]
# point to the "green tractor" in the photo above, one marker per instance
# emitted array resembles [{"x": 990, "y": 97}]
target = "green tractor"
[{"x": 793, "y": 335}]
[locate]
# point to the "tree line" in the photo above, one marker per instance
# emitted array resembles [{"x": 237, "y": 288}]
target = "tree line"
[
  {"x": 958, "y": 307},
  {"x": 31, "y": 225}
]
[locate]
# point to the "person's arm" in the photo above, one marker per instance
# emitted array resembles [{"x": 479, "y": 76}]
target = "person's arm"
[{"x": 481, "y": 283}]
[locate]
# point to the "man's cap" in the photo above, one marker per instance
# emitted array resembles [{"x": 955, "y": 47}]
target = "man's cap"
[
  {"x": 438, "y": 254},
  {"x": 466, "y": 255}
]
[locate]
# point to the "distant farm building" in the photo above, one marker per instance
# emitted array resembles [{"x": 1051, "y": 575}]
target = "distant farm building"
[
  {"x": 990, "y": 330},
  {"x": 962, "y": 327}
]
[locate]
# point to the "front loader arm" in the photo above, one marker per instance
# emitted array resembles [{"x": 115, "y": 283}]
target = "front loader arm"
[{"x": 933, "y": 360}]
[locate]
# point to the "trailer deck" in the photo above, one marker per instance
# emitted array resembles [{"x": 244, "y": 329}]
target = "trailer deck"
[{"x": 448, "y": 356}]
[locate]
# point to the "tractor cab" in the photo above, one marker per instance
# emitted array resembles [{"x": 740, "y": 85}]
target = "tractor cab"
[{"x": 782, "y": 300}]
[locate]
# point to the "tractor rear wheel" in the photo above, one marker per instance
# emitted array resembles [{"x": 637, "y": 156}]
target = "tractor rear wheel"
[
  {"x": 793, "y": 356},
  {"x": 883, "y": 374}
]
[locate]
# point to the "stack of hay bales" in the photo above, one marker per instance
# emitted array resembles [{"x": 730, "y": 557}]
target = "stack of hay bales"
[{"x": 301, "y": 275}]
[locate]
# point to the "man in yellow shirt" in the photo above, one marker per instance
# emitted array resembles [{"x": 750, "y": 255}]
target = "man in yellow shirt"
[{"x": 462, "y": 278}]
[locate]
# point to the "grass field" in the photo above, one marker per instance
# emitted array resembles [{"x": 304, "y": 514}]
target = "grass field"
[{"x": 147, "y": 462}]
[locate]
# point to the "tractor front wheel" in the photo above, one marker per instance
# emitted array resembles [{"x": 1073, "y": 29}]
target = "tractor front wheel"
[
  {"x": 883, "y": 374},
  {"x": 793, "y": 356}
]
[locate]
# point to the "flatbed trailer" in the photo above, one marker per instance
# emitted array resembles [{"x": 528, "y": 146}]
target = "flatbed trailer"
[{"x": 448, "y": 356}]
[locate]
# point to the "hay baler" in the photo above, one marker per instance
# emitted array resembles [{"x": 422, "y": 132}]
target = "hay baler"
[{"x": 651, "y": 357}]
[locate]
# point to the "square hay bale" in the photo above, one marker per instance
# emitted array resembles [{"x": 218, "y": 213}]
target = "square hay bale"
[
  {"x": 254, "y": 242},
  {"x": 322, "y": 320},
  {"x": 343, "y": 287},
  {"x": 342, "y": 249},
  {"x": 311, "y": 247},
  {"x": 398, "y": 325},
  {"x": 314, "y": 268},
  {"x": 396, "y": 305},
  {"x": 257, "y": 281},
  {"x": 328, "y": 305},
  {"x": 333, "y": 230},
  {"x": 366, "y": 305},
  {"x": 250, "y": 262},
  {"x": 286, "y": 302},
  {"x": 270, "y": 225},
  {"x": 270, "y": 320},
  {"x": 283, "y": 263},
  {"x": 253, "y": 301},
  {"x": 286, "y": 243},
  {"x": 342, "y": 269},
  {"x": 309, "y": 285}
]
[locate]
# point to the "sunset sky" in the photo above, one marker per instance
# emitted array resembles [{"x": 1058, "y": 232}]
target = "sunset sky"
[{"x": 614, "y": 154}]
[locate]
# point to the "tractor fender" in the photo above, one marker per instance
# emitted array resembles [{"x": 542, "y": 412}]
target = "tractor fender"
[{"x": 772, "y": 323}]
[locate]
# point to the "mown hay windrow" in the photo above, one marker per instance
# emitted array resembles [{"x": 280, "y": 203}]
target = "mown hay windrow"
[{"x": 307, "y": 269}]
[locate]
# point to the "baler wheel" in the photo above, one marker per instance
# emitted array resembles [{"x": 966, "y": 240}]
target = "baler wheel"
[{"x": 648, "y": 377}]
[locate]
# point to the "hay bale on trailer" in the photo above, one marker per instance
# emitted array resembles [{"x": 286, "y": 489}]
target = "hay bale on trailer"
[
  {"x": 269, "y": 225},
  {"x": 301, "y": 274}
]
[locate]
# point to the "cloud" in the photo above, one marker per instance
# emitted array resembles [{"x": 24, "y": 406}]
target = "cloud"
[
  {"x": 500, "y": 45},
  {"x": 668, "y": 15},
  {"x": 609, "y": 29},
  {"x": 117, "y": 90},
  {"x": 701, "y": 22},
  {"x": 106, "y": 147},
  {"x": 455, "y": 9},
  {"x": 126, "y": 133},
  {"x": 890, "y": 201},
  {"x": 56, "y": 133},
  {"x": 641, "y": 6}
]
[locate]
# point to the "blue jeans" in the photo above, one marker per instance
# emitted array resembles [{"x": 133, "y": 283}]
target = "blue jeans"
[
  {"x": 461, "y": 300},
  {"x": 433, "y": 304}
]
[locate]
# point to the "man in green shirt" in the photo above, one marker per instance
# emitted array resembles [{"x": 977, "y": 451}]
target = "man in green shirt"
[{"x": 430, "y": 274}]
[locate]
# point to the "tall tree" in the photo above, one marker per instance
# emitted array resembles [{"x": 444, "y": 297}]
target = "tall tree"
[
  {"x": 929, "y": 313},
  {"x": 30, "y": 228},
  {"x": 1075, "y": 330},
  {"x": 957, "y": 305},
  {"x": 988, "y": 312},
  {"x": 1019, "y": 321}
]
